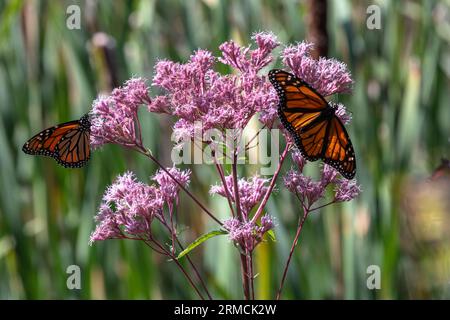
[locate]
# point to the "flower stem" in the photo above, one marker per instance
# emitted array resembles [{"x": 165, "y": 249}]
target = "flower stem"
[
  {"x": 244, "y": 257},
  {"x": 245, "y": 282},
  {"x": 247, "y": 146},
  {"x": 322, "y": 206},
  {"x": 172, "y": 228},
  {"x": 294, "y": 244},
  {"x": 188, "y": 277},
  {"x": 252, "y": 275},
  {"x": 145, "y": 152},
  {"x": 139, "y": 128},
  {"x": 175, "y": 238},
  {"x": 237, "y": 200},
  {"x": 272, "y": 185},
  {"x": 225, "y": 187},
  {"x": 202, "y": 282}
]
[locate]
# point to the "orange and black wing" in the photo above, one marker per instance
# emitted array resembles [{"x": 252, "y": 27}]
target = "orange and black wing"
[
  {"x": 74, "y": 149},
  {"x": 67, "y": 143},
  {"x": 327, "y": 139},
  {"x": 316, "y": 130},
  {"x": 312, "y": 138},
  {"x": 338, "y": 151},
  {"x": 299, "y": 104},
  {"x": 300, "y": 108},
  {"x": 294, "y": 94}
]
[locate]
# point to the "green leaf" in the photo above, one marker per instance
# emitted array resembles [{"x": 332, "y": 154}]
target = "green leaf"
[
  {"x": 271, "y": 235},
  {"x": 200, "y": 240}
]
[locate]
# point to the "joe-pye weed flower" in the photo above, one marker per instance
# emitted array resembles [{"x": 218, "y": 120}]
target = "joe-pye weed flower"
[{"x": 194, "y": 92}]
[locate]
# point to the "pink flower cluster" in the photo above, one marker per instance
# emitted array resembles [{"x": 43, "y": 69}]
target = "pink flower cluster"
[
  {"x": 327, "y": 76},
  {"x": 197, "y": 93},
  {"x": 251, "y": 191},
  {"x": 114, "y": 117},
  {"x": 129, "y": 206},
  {"x": 248, "y": 234},
  {"x": 309, "y": 191},
  {"x": 169, "y": 188}
]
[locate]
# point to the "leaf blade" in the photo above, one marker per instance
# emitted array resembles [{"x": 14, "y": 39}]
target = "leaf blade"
[{"x": 200, "y": 240}]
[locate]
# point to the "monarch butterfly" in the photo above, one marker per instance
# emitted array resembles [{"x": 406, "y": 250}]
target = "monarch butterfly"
[
  {"x": 67, "y": 143},
  {"x": 313, "y": 124}
]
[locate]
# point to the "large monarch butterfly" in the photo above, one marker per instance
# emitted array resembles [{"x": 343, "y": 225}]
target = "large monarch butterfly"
[
  {"x": 316, "y": 130},
  {"x": 68, "y": 143}
]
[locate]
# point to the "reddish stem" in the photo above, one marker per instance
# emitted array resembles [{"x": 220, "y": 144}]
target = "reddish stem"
[
  {"x": 188, "y": 277},
  {"x": 245, "y": 282},
  {"x": 197, "y": 273},
  {"x": 187, "y": 256},
  {"x": 225, "y": 187},
  {"x": 271, "y": 186},
  {"x": 294, "y": 244},
  {"x": 244, "y": 257},
  {"x": 145, "y": 152}
]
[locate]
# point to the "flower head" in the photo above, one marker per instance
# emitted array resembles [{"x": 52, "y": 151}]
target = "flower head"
[
  {"x": 107, "y": 226},
  {"x": 247, "y": 60},
  {"x": 198, "y": 94},
  {"x": 341, "y": 113},
  {"x": 267, "y": 223},
  {"x": 329, "y": 175},
  {"x": 347, "y": 190},
  {"x": 303, "y": 186},
  {"x": 127, "y": 209},
  {"x": 327, "y": 76},
  {"x": 310, "y": 191},
  {"x": 159, "y": 104},
  {"x": 247, "y": 233},
  {"x": 168, "y": 187},
  {"x": 298, "y": 160},
  {"x": 114, "y": 117},
  {"x": 251, "y": 191}
]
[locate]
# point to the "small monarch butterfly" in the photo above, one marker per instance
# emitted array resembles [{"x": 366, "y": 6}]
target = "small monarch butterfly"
[
  {"x": 313, "y": 124},
  {"x": 68, "y": 143}
]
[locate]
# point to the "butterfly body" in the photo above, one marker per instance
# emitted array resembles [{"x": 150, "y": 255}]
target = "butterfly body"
[
  {"x": 313, "y": 124},
  {"x": 68, "y": 143}
]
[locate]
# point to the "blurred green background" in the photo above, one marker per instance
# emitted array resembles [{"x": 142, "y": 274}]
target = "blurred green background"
[{"x": 400, "y": 130}]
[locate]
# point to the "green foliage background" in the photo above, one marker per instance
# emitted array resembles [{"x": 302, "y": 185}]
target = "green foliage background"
[{"x": 400, "y": 129}]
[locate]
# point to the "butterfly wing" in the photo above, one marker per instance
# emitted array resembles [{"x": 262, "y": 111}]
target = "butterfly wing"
[
  {"x": 316, "y": 130},
  {"x": 327, "y": 139},
  {"x": 45, "y": 142},
  {"x": 299, "y": 104},
  {"x": 301, "y": 107},
  {"x": 339, "y": 152},
  {"x": 312, "y": 138},
  {"x": 67, "y": 143},
  {"x": 74, "y": 150},
  {"x": 296, "y": 95}
]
